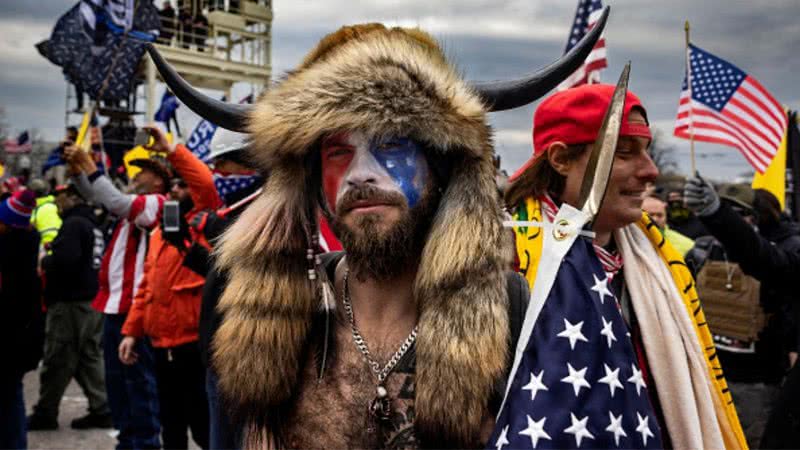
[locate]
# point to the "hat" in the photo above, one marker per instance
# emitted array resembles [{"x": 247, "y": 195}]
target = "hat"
[
  {"x": 574, "y": 116},
  {"x": 157, "y": 165},
  {"x": 15, "y": 211},
  {"x": 225, "y": 142},
  {"x": 739, "y": 194}
]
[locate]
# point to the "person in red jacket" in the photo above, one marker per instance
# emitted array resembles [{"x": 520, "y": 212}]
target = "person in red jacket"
[{"x": 167, "y": 310}]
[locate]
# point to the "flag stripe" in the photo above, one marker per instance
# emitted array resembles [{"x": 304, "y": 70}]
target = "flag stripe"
[
  {"x": 754, "y": 143},
  {"x": 586, "y": 16},
  {"x": 775, "y": 107},
  {"x": 759, "y": 108},
  {"x": 719, "y": 135},
  {"x": 715, "y": 123},
  {"x": 739, "y": 109},
  {"x": 717, "y": 138}
]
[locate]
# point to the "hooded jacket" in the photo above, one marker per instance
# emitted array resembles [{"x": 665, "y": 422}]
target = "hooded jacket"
[
  {"x": 71, "y": 268},
  {"x": 382, "y": 82}
]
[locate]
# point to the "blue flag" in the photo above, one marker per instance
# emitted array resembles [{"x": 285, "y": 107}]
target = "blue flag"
[
  {"x": 576, "y": 382},
  {"x": 200, "y": 140}
]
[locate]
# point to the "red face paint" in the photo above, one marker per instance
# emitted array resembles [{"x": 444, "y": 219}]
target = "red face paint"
[{"x": 336, "y": 156}]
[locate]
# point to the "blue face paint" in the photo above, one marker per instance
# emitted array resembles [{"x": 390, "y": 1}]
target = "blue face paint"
[{"x": 405, "y": 162}]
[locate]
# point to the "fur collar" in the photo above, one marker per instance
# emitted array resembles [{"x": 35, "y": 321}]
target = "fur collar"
[{"x": 381, "y": 81}]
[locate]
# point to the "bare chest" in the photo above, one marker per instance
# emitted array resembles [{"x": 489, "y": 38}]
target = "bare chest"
[{"x": 333, "y": 412}]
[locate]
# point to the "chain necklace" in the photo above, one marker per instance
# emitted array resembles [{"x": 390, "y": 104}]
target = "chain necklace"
[{"x": 379, "y": 407}]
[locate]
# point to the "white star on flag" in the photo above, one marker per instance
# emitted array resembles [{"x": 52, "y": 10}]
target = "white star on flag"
[
  {"x": 535, "y": 431},
  {"x": 637, "y": 379},
  {"x": 502, "y": 441},
  {"x": 535, "y": 385},
  {"x": 608, "y": 331},
  {"x": 576, "y": 378},
  {"x": 611, "y": 379},
  {"x": 601, "y": 287},
  {"x": 644, "y": 428},
  {"x": 578, "y": 429},
  {"x": 615, "y": 426},
  {"x": 573, "y": 333}
]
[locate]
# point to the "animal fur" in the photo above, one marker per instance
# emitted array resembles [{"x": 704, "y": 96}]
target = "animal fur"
[{"x": 383, "y": 82}]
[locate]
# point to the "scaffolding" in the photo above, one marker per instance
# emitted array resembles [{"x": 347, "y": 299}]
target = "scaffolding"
[{"x": 214, "y": 44}]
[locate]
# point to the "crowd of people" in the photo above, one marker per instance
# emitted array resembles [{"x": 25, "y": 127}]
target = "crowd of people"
[{"x": 212, "y": 301}]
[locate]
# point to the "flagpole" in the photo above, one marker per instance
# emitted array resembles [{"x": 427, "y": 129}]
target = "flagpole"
[{"x": 691, "y": 108}]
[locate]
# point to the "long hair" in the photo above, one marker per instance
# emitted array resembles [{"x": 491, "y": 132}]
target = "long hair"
[{"x": 540, "y": 178}]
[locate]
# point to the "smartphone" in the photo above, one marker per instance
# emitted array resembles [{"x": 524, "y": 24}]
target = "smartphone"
[
  {"x": 142, "y": 138},
  {"x": 171, "y": 219}
]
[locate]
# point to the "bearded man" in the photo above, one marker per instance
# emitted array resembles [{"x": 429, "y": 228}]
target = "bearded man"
[
  {"x": 673, "y": 358},
  {"x": 402, "y": 340}
]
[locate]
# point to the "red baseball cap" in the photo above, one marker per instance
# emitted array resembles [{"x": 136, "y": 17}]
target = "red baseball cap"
[{"x": 574, "y": 116}]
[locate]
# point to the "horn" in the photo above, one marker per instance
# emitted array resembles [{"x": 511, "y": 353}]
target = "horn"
[
  {"x": 510, "y": 94},
  {"x": 226, "y": 115}
]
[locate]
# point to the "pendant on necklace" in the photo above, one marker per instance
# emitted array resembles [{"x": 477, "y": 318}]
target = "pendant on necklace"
[
  {"x": 729, "y": 286},
  {"x": 379, "y": 407}
]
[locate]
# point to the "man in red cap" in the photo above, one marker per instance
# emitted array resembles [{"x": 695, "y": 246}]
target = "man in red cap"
[{"x": 648, "y": 279}]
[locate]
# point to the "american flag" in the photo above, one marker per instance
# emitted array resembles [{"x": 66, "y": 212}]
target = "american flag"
[
  {"x": 585, "y": 17},
  {"x": 22, "y": 144},
  {"x": 729, "y": 107},
  {"x": 230, "y": 183},
  {"x": 578, "y": 383}
]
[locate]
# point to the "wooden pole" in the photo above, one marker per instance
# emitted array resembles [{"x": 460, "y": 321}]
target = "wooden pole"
[{"x": 689, "y": 88}]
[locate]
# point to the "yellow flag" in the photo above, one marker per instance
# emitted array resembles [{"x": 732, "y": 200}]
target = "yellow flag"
[
  {"x": 84, "y": 140},
  {"x": 774, "y": 178}
]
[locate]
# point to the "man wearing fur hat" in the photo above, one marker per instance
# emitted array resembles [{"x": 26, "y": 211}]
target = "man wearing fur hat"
[
  {"x": 402, "y": 340},
  {"x": 675, "y": 356}
]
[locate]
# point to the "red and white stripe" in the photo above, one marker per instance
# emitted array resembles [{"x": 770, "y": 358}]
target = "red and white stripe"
[
  {"x": 122, "y": 267},
  {"x": 752, "y": 121},
  {"x": 589, "y": 71}
]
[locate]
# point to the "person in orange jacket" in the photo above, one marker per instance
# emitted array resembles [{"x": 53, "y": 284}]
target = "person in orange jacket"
[{"x": 167, "y": 310}]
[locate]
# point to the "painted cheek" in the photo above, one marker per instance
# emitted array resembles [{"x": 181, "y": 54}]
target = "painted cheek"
[
  {"x": 402, "y": 163},
  {"x": 333, "y": 171}
]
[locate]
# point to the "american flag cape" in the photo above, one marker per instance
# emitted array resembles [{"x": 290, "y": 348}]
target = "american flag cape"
[
  {"x": 585, "y": 18},
  {"x": 575, "y": 382},
  {"x": 724, "y": 105}
]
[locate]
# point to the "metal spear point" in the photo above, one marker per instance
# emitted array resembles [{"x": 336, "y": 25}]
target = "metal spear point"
[{"x": 601, "y": 159}]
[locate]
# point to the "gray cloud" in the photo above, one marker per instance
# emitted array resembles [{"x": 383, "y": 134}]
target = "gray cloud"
[{"x": 486, "y": 39}]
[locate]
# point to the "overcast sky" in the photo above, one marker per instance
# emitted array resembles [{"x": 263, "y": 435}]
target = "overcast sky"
[{"x": 486, "y": 39}]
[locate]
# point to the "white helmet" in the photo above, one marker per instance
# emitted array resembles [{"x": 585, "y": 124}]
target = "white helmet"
[{"x": 226, "y": 141}]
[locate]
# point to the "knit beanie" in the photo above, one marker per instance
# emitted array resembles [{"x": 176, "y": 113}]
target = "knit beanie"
[{"x": 15, "y": 211}]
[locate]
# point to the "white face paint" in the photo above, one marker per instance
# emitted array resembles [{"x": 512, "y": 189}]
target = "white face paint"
[{"x": 354, "y": 161}]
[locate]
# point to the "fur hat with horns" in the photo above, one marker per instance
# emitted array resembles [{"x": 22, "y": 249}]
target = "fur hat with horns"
[{"x": 383, "y": 82}]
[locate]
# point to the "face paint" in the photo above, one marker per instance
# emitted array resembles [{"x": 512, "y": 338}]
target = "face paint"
[
  {"x": 393, "y": 164},
  {"x": 401, "y": 157}
]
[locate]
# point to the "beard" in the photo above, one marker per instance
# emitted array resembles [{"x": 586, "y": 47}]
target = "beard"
[{"x": 378, "y": 252}]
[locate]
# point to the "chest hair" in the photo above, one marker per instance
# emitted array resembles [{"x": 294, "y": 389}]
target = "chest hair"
[{"x": 334, "y": 412}]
